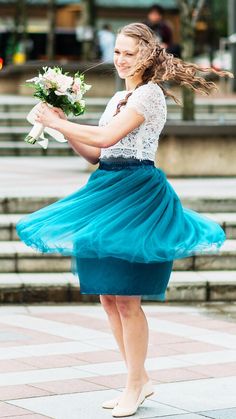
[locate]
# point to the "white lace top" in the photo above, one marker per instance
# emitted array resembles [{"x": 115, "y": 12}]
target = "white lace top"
[{"x": 142, "y": 142}]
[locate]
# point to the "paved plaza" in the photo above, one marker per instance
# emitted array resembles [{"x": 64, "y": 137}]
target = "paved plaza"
[{"x": 62, "y": 361}]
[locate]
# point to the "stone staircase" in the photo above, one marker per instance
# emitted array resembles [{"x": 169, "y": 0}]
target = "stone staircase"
[
  {"x": 29, "y": 276},
  {"x": 14, "y": 127}
]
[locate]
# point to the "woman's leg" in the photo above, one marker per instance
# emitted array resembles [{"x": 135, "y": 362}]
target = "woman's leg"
[
  {"x": 109, "y": 304},
  {"x": 135, "y": 338}
]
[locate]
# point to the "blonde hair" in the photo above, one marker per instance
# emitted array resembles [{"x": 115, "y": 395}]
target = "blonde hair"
[{"x": 159, "y": 66}]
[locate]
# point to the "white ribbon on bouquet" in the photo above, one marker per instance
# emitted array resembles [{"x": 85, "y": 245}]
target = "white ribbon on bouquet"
[{"x": 38, "y": 130}]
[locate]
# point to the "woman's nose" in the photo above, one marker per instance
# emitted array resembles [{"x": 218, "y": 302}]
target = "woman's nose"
[{"x": 120, "y": 60}]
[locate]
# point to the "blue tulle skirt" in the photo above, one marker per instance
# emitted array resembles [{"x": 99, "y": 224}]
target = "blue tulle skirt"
[{"x": 123, "y": 229}]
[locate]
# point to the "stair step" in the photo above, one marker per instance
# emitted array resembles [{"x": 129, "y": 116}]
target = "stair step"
[
  {"x": 207, "y": 104},
  {"x": 17, "y": 257},
  {"x": 18, "y": 132},
  {"x": 172, "y": 127},
  {"x": 24, "y": 204},
  {"x": 8, "y": 223},
  {"x": 10, "y": 119},
  {"x": 22, "y": 115},
  {"x": 20, "y": 148},
  {"x": 64, "y": 287},
  {"x": 29, "y": 183},
  {"x": 12, "y": 103}
]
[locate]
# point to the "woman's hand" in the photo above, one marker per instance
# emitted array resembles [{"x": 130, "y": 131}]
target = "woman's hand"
[
  {"x": 60, "y": 112},
  {"x": 49, "y": 116}
]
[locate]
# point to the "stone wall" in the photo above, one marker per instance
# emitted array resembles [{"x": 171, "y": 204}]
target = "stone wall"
[{"x": 194, "y": 149}]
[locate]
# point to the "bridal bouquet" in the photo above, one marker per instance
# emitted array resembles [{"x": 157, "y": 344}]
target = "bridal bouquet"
[{"x": 58, "y": 90}]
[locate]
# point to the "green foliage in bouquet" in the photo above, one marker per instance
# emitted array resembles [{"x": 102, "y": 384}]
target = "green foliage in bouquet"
[{"x": 61, "y": 90}]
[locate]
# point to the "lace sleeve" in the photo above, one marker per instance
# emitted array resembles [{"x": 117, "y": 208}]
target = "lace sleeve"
[{"x": 147, "y": 100}]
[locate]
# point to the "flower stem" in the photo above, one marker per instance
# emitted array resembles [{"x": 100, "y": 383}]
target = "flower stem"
[{"x": 35, "y": 133}]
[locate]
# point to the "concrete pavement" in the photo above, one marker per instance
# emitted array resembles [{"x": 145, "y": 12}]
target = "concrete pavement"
[{"x": 61, "y": 362}]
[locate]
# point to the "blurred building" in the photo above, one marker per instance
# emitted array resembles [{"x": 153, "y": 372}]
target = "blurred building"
[
  {"x": 69, "y": 18},
  {"x": 72, "y": 29},
  {"x": 67, "y": 14}
]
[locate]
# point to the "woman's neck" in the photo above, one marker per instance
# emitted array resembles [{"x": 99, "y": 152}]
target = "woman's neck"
[{"x": 132, "y": 83}]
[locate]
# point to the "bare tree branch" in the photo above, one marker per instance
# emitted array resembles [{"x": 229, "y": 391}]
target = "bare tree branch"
[
  {"x": 197, "y": 11},
  {"x": 191, "y": 9},
  {"x": 184, "y": 7}
]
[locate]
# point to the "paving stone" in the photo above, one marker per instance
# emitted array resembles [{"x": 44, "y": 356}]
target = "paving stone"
[
  {"x": 8, "y": 410},
  {"x": 29, "y": 416},
  {"x": 198, "y": 394},
  {"x": 21, "y": 392},
  {"x": 82, "y": 406},
  {"x": 220, "y": 414},
  {"x": 182, "y": 416}
]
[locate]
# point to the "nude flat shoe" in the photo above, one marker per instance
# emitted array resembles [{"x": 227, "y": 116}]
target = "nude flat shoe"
[
  {"x": 120, "y": 412},
  {"x": 110, "y": 404}
]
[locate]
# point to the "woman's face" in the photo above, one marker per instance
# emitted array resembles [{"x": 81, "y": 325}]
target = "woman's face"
[{"x": 125, "y": 55}]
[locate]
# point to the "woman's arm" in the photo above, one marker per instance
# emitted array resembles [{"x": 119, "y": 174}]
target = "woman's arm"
[
  {"x": 94, "y": 136},
  {"x": 91, "y": 154}
]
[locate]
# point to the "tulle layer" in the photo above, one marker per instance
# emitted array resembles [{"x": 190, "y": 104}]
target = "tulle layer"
[{"x": 126, "y": 211}]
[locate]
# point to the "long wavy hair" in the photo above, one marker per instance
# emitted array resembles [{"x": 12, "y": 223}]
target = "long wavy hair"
[{"x": 159, "y": 66}]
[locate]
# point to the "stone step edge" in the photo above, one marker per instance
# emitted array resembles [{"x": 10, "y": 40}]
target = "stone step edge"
[
  {"x": 12, "y": 204},
  {"x": 8, "y": 224},
  {"x": 18, "y": 288},
  {"x": 21, "y": 116},
  {"x": 222, "y": 217},
  {"x": 16, "y": 257},
  {"x": 13, "y": 100},
  {"x": 227, "y": 278},
  {"x": 23, "y": 145},
  {"x": 177, "y": 127},
  {"x": 18, "y": 248}
]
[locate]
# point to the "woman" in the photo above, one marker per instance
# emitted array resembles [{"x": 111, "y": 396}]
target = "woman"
[{"x": 125, "y": 227}]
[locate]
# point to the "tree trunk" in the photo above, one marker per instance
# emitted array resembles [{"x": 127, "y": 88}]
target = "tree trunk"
[
  {"x": 189, "y": 13},
  {"x": 187, "y": 43},
  {"x": 88, "y": 23},
  {"x": 232, "y": 30},
  {"x": 51, "y": 32},
  {"x": 188, "y": 95},
  {"x": 20, "y": 18}
]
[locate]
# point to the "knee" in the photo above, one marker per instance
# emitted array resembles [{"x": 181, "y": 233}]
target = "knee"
[
  {"x": 109, "y": 303},
  {"x": 128, "y": 306}
]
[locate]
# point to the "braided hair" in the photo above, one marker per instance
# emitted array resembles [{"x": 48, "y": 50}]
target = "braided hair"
[{"x": 123, "y": 102}]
